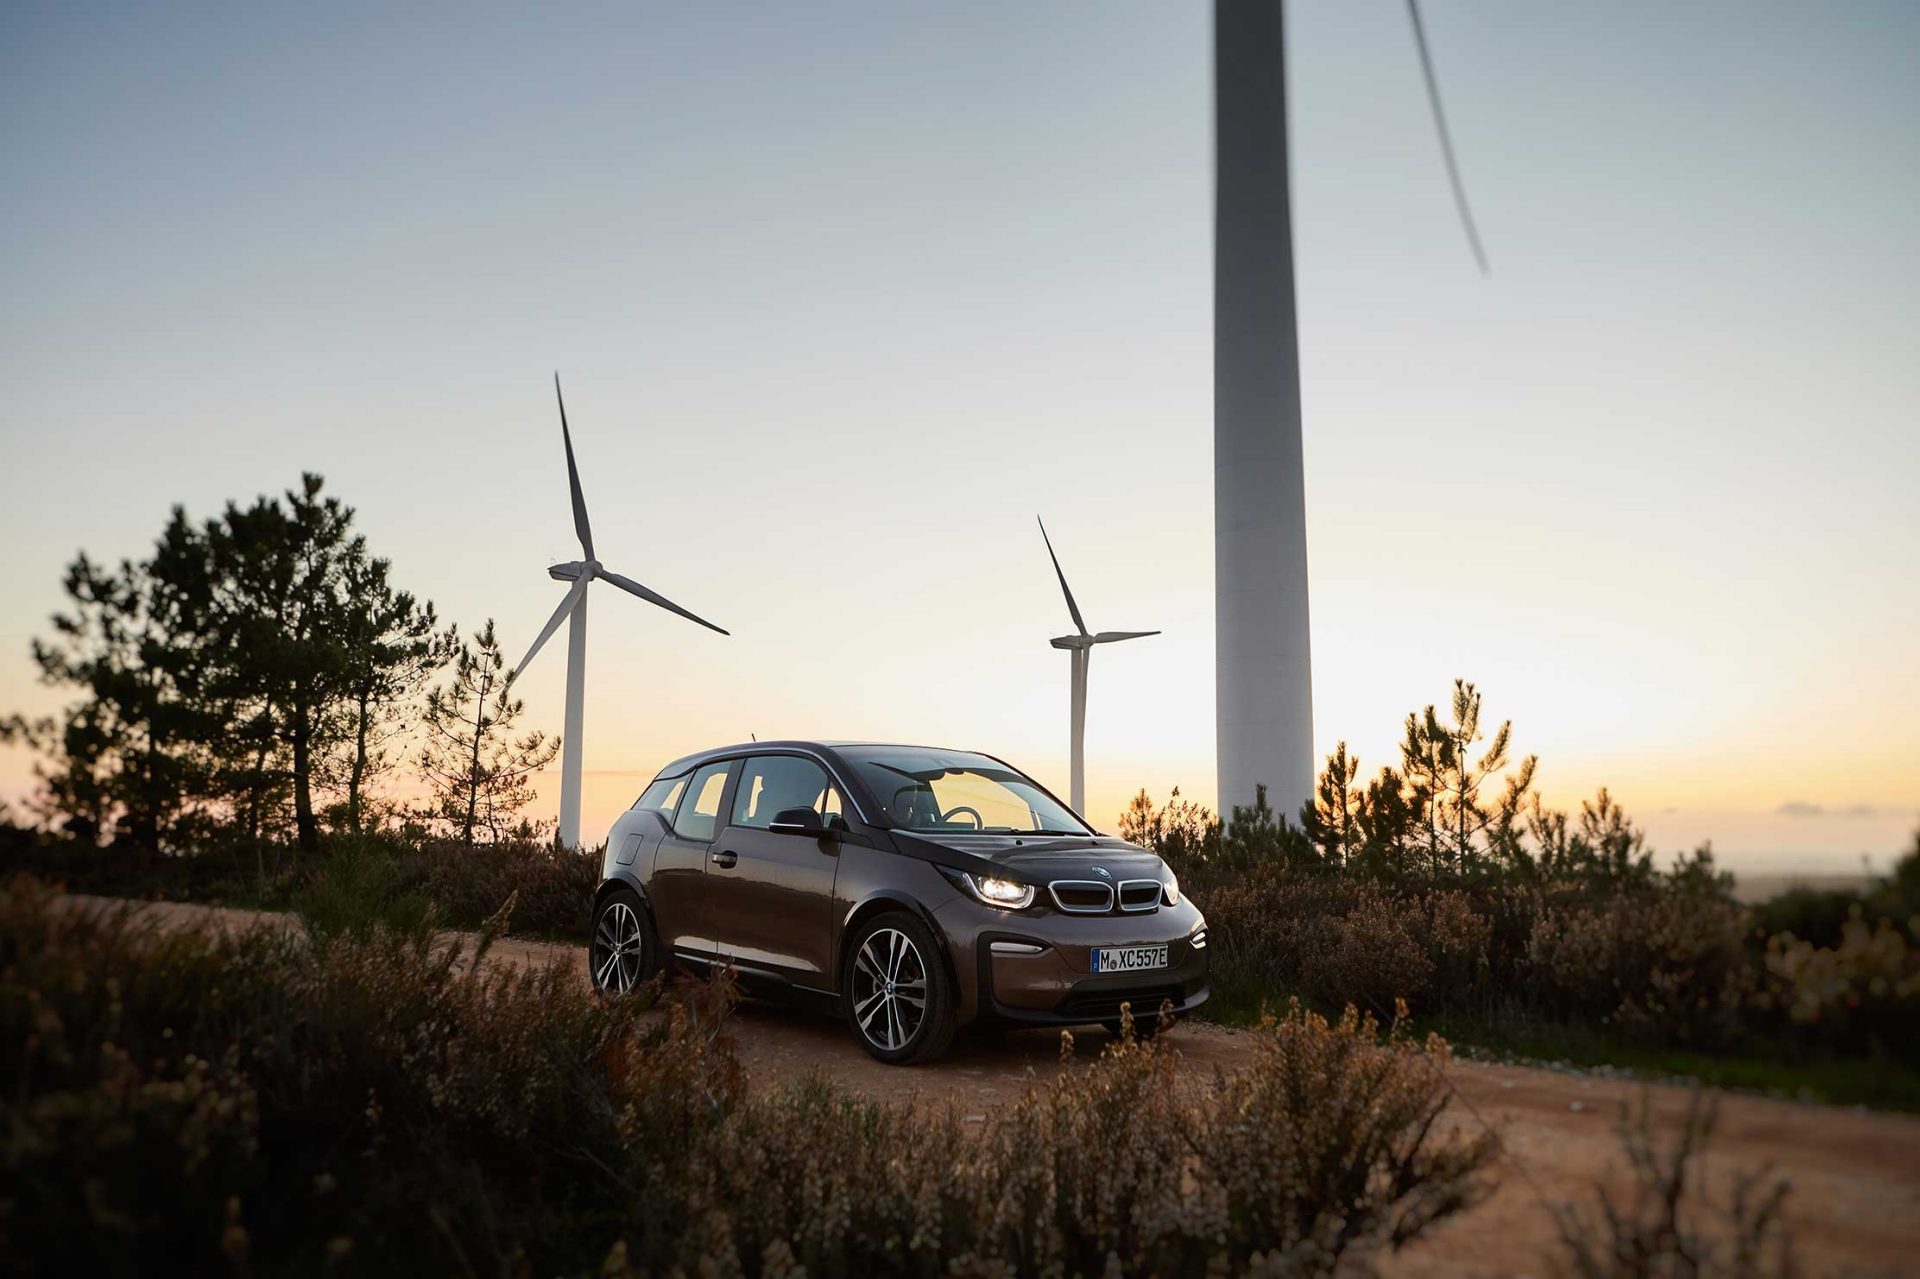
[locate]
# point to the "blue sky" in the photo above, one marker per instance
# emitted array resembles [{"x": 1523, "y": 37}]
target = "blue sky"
[{"x": 845, "y": 294}]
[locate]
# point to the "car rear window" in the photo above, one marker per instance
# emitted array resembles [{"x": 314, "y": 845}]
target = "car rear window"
[{"x": 663, "y": 796}]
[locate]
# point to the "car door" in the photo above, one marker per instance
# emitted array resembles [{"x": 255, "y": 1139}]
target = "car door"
[
  {"x": 771, "y": 893},
  {"x": 679, "y": 885}
]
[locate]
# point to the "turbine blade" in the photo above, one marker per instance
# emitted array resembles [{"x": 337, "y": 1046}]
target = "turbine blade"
[
  {"x": 1064, "y": 589},
  {"x": 580, "y": 525},
  {"x": 1112, "y": 637},
  {"x": 567, "y": 602},
  {"x": 1446, "y": 139},
  {"x": 632, "y": 587}
]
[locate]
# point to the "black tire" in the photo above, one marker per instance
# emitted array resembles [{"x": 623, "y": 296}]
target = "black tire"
[
  {"x": 879, "y": 1001},
  {"x": 622, "y": 920}
]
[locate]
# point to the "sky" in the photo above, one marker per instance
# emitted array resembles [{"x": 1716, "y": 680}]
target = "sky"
[{"x": 844, "y": 295}]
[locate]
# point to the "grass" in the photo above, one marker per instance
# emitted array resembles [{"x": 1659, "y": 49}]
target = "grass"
[{"x": 1755, "y": 1066}]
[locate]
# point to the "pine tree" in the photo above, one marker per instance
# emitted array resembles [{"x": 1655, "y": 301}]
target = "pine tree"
[
  {"x": 221, "y": 677},
  {"x": 1423, "y": 767},
  {"x": 390, "y": 644},
  {"x": 125, "y": 761},
  {"x": 278, "y": 608},
  {"x": 478, "y": 773},
  {"x": 1439, "y": 759},
  {"x": 1332, "y": 819}
]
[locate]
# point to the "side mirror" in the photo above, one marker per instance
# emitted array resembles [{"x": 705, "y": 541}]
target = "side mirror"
[{"x": 803, "y": 821}]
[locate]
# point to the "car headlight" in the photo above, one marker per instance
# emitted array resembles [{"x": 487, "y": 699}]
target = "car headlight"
[
  {"x": 1004, "y": 893},
  {"x": 1172, "y": 886}
]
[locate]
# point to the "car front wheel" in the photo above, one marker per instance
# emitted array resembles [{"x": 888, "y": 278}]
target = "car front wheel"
[{"x": 896, "y": 992}]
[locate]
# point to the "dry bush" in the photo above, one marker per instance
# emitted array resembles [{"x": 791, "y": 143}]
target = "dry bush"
[
  {"x": 1459, "y": 942},
  {"x": 1371, "y": 956},
  {"x": 1674, "y": 1226},
  {"x": 217, "y": 1095},
  {"x": 552, "y": 887},
  {"x": 1335, "y": 940},
  {"x": 1665, "y": 967},
  {"x": 1863, "y": 990},
  {"x": 1116, "y": 1168},
  {"x": 367, "y": 1101}
]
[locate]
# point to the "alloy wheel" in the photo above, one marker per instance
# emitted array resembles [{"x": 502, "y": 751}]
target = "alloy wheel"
[
  {"x": 618, "y": 950},
  {"x": 889, "y": 989}
]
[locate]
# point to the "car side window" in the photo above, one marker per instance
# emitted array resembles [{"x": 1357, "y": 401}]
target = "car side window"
[
  {"x": 699, "y": 812},
  {"x": 773, "y": 783},
  {"x": 663, "y": 796}
]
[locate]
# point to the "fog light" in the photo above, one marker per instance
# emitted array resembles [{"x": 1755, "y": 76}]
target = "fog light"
[{"x": 1197, "y": 939}]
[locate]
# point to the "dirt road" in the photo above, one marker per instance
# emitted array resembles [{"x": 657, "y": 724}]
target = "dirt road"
[{"x": 1855, "y": 1208}]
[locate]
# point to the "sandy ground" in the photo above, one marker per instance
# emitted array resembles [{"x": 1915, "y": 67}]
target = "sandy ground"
[{"x": 1855, "y": 1207}]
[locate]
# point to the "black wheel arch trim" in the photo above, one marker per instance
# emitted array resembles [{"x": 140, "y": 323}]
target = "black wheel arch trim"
[
  {"x": 879, "y": 903},
  {"x": 612, "y": 884}
]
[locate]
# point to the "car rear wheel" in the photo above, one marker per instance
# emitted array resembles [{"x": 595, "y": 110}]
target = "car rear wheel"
[
  {"x": 896, "y": 992},
  {"x": 624, "y": 952}
]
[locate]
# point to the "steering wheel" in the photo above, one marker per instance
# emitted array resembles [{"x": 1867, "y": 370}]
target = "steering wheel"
[{"x": 979, "y": 822}]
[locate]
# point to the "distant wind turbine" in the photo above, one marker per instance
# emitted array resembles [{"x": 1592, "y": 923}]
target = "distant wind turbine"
[
  {"x": 1080, "y": 646},
  {"x": 574, "y": 606}
]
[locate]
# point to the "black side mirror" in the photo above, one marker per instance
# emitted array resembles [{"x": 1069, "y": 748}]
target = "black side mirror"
[{"x": 803, "y": 821}]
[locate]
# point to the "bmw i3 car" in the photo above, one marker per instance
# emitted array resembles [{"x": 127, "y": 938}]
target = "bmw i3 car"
[{"x": 911, "y": 889}]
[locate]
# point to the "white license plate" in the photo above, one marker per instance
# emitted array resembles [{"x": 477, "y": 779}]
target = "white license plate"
[{"x": 1129, "y": 959}]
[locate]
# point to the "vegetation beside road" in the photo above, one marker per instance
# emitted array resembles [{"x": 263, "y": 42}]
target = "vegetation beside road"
[
  {"x": 362, "y": 1101},
  {"x": 1445, "y": 881}
]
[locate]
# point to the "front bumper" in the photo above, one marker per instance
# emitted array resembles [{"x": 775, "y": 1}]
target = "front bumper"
[{"x": 1057, "y": 986}]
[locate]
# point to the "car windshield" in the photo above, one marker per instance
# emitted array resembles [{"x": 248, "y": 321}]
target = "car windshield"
[{"x": 923, "y": 789}]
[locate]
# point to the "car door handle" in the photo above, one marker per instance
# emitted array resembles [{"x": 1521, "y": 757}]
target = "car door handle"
[{"x": 726, "y": 859}]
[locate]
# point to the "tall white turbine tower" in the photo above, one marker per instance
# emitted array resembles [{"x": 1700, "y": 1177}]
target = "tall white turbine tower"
[
  {"x": 1263, "y": 667},
  {"x": 1080, "y": 646},
  {"x": 1263, "y": 681},
  {"x": 573, "y": 608}
]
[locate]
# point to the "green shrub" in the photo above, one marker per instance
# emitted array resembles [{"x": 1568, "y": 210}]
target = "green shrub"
[
  {"x": 356, "y": 888},
  {"x": 552, "y": 887}
]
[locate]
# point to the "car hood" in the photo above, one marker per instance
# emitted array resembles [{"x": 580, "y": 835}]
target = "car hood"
[{"x": 1034, "y": 858}]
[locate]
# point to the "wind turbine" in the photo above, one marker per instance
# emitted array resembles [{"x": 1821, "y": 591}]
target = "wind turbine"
[
  {"x": 1080, "y": 646},
  {"x": 1263, "y": 689},
  {"x": 573, "y": 609}
]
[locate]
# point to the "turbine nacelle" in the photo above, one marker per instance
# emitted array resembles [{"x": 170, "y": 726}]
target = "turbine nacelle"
[
  {"x": 573, "y": 570},
  {"x": 1084, "y": 641}
]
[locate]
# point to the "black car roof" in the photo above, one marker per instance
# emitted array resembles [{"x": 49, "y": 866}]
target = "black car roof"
[{"x": 829, "y": 747}]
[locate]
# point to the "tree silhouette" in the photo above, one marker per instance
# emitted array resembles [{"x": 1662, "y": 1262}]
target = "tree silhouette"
[
  {"x": 479, "y": 774},
  {"x": 390, "y": 646},
  {"x": 219, "y": 677}
]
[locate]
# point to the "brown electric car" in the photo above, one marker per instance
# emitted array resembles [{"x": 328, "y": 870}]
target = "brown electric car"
[{"x": 912, "y": 889}]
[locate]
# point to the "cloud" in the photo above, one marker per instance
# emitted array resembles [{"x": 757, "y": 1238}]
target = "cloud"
[{"x": 1801, "y": 808}]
